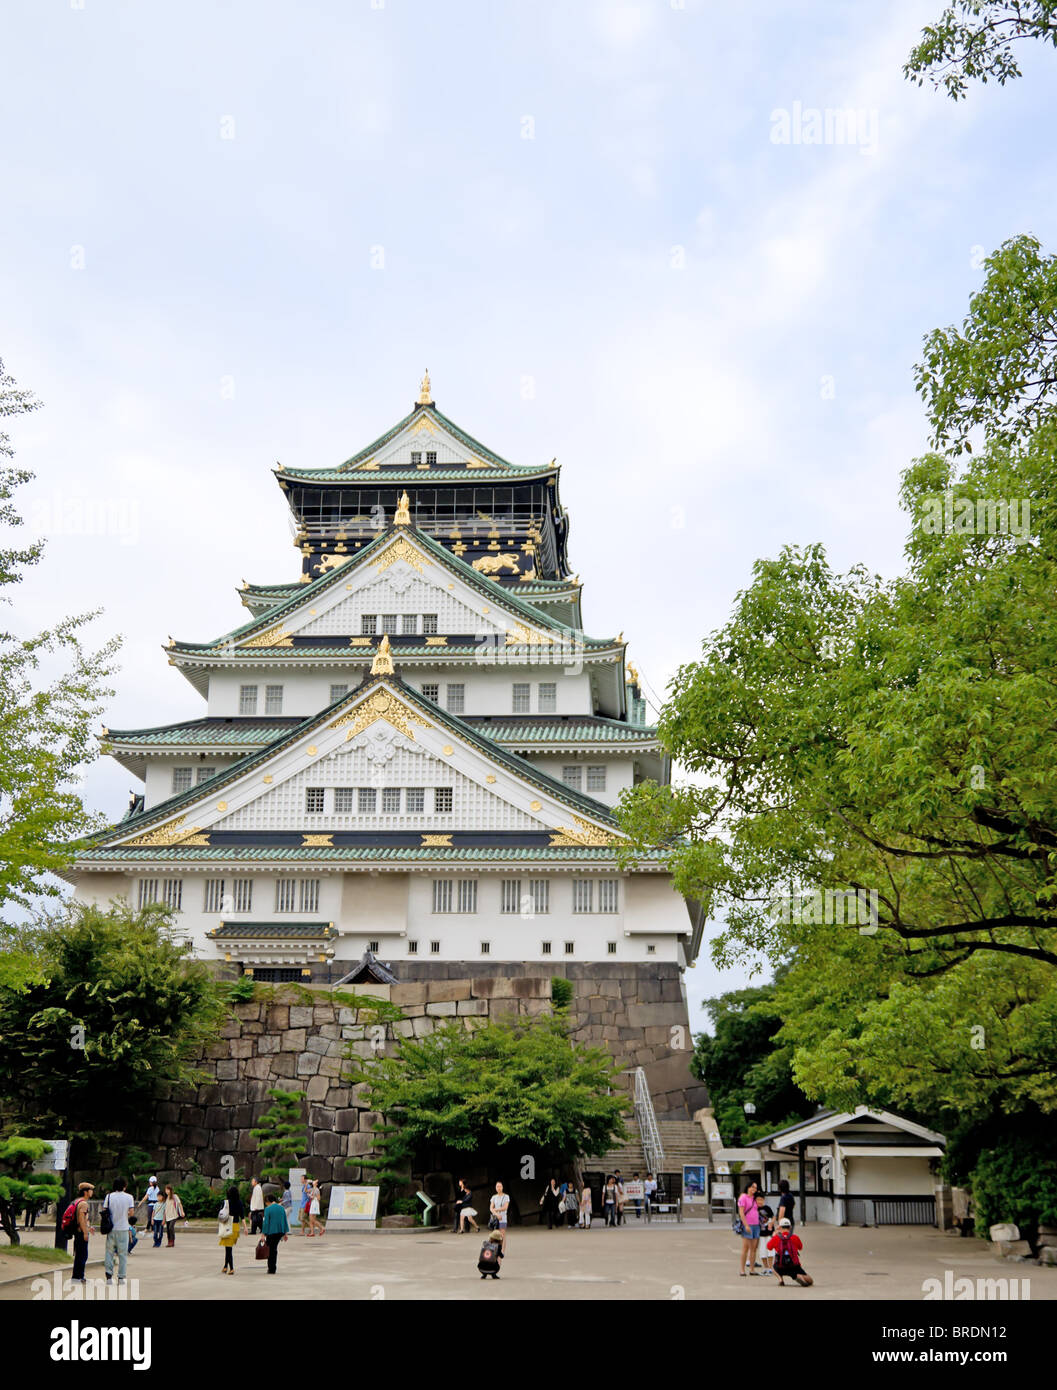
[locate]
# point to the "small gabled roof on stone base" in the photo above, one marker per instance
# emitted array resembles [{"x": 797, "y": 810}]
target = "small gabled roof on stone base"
[{"x": 369, "y": 971}]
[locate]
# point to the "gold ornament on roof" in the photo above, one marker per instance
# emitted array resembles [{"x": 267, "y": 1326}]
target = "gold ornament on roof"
[
  {"x": 424, "y": 397},
  {"x": 403, "y": 511},
  {"x": 584, "y": 834},
  {"x": 381, "y": 705},
  {"x": 401, "y": 549},
  {"x": 382, "y": 665}
]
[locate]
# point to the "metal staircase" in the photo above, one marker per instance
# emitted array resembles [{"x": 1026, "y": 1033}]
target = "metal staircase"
[{"x": 649, "y": 1130}]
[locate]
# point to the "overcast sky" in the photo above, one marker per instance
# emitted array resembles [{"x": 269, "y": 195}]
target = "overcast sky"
[{"x": 237, "y": 232}]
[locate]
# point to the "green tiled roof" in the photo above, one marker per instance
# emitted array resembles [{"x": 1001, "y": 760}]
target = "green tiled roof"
[
  {"x": 590, "y": 644},
  {"x": 307, "y": 592},
  {"x": 285, "y": 930},
  {"x": 104, "y": 855},
  {"x": 208, "y": 733}
]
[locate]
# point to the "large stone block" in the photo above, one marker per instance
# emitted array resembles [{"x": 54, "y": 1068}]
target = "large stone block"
[
  {"x": 231, "y": 1029},
  {"x": 301, "y": 1017},
  {"x": 246, "y": 1143},
  {"x": 228, "y": 1070},
  {"x": 330, "y": 1030},
  {"x": 360, "y": 1142},
  {"x": 171, "y": 1134},
  {"x": 409, "y": 992},
  {"x": 294, "y": 1040},
  {"x": 317, "y": 1088},
  {"x": 444, "y": 1008},
  {"x": 1013, "y": 1249},
  {"x": 318, "y": 1045},
  {"x": 307, "y": 1064},
  {"x": 404, "y": 1027},
  {"x": 347, "y": 1122},
  {"x": 646, "y": 1015},
  {"x": 332, "y": 1067},
  {"x": 231, "y": 1093},
  {"x": 347, "y": 1172},
  {"x": 1004, "y": 1230},
  {"x": 422, "y": 1027},
  {"x": 478, "y": 1007},
  {"x": 267, "y": 1044},
  {"x": 323, "y": 1014},
  {"x": 252, "y": 1030},
  {"x": 259, "y": 1068},
  {"x": 326, "y": 1142},
  {"x": 218, "y": 1116},
  {"x": 278, "y": 1018},
  {"x": 241, "y": 1116},
  {"x": 532, "y": 987},
  {"x": 338, "y": 1097},
  {"x": 224, "y": 1140},
  {"x": 352, "y": 1032},
  {"x": 283, "y": 1064},
  {"x": 242, "y": 1047},
  {"x": 319, "y": 1117}
]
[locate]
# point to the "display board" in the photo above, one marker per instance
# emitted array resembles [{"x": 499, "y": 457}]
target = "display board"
[
  {"x": 353, "y": 1204},
  {"x": 695, "y": 1182}
]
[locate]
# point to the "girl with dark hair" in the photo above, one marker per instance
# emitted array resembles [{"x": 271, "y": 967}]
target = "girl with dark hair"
[{"x": 231, "y": 1216}]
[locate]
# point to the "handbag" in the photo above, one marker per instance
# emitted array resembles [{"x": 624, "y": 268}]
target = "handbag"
[
  {"x": 106, "y": 1221},
  {"x": 261, "y": 1252},
  {"x": 739, "y": 1227},
  {"x": 493, "y": 1223}
]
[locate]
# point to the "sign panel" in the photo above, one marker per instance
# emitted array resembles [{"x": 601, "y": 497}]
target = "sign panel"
[
  {"x": 353, "y": 1204},
  {"x": 55, "y": 1160},
  {"x": 695, "y": 1182},
  {"x": 722, "y": 1192},
  {"x": 634, "y": 1190}
]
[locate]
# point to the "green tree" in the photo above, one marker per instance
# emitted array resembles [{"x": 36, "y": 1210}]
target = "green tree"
[
  {"x": 974, "y": 39},
  {"x": 19, "y": 1185},
  {"x": 45, "y": 724},
  {"x": 120, "y": 1015},
  {"x": 741, "y": 1062},
  {"x": 281, "y": 1133},
  {"x": 477, "y": 1089}
]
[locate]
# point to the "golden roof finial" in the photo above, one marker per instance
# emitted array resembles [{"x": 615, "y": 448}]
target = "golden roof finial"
[
  {"x": 424, "y": 397},
  {"x": 402, "y": 516},
  {"x": 382, "y": 665},
  {"x": 633, "y": 675}
]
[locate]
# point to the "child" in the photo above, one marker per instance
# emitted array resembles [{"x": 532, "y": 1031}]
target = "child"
[
  {"x": 490, "y": 1255},
  {"x": 766, "y": 1218},
  {"x": 787, "y": 1248}
]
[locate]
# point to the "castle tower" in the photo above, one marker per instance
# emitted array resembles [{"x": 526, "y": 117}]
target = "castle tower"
[{"x": 413, "y": 749}]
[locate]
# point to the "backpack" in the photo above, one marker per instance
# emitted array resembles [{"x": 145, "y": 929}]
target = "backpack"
[
  {"x": 785, "y": 1256},
  {"x": 488, "y": 1255},
  {"x": 69, "y": 1217}
]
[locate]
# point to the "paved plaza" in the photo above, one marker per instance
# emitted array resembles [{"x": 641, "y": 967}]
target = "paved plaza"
[{"x": 634, "y": 1262}]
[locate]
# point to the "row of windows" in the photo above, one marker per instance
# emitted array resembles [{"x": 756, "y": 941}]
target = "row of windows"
[
  {"x": 183, "y": 778},
  {"x": 406, "y": 624},
  {"x": 231, "y": 895},
  {"x": 546, "y": 948},
  {"x": 416, "y": 458},
  {"x": 522, "y": 897},
  {"x": 521, "y": 702},
  {"x": 366, "y": 801},
  {"x": 249, "y": 694}
]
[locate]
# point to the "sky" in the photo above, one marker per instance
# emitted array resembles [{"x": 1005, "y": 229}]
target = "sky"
[{"x": 237, "y": 233}]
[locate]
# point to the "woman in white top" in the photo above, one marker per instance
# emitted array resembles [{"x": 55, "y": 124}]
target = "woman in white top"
[
  {"x": 498, "y": 1208},
  {"x": 315, "y": 1226}
]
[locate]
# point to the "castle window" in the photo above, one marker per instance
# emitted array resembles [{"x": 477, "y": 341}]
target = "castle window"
[
  {"x": 486, "y": 948},
  {"x": 434, "y": 948},
  {"x": 247, "y": 699},
  {"x": 173, "y": 894},
  {"x": 416, "y": 799},
  {"x": 314, "y": 801},
  {"x": 148, "y": 891},
  {"x": 455, "y": 699},
  {"x": 611, "y": 948},
  {"x": 442, "y": 799},
  {"x": 412, "y": 948},
  {"x": 442, "y": 894},
  {"x": 651, "y": 949},
  {"x": 573, "y": 776},
  {"x": 545, "y": 948},
  {"x": 429, "y": 624},
  {"x": 337, "y": 692},
  {"x": 344, "y": 800},
  {"x": 243, "y": 894},
  {"x": 570, "y": 948},
  {"x": 431, "y": 691},
  {"x": 596, "y": 779},
  {"x": 522, "y": 692},
  {"x": 285, "y": 894},
  {"x": 416, "y": 457},
  {"x": 431, "y": 458},
  {"x": 308, "y": 896},
  {"x": 203, "y": 774},
  {"x": 467, "y": 895},
  {"x": 609, "y": 895},
  {"x": 374, "y": 947},
  {"x": 368, "y": 800},
  {"x": 409, "y": 624},
  {"x": 368, "y": 624},
  {"x": 181, "y": 779},
  {"x": 583, "y": 894},
  {"x": 389, "y": 622},
  {"x": 510, "y": 895},
  {"x": 540, "y": 888},
  {"x": 390, "y": 801},
  {"x": 273, "y": 699},
  {"x": 214, "y": 895},
  {"x": 548, "y": 697}
]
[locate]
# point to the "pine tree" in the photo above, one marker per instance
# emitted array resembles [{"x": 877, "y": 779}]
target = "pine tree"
[{"x": 281, "y": 1134}]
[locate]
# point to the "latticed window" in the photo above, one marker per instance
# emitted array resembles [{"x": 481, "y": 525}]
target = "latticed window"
[
  {"x": 389, "y": 622},
  {"x": 609, "y": 895},
  {"x": 416, "y": 457},
  {"x": 391, "y": 801},
  {"x": 431, "y": 457},
  {"x": 314, "y": 801},
  {"x": 273, "y": 699},
  {"x": 416, "y": 799},
  {"x": 510, "y": 895},
  {"x": 486, "y": 948},
  {"x": 548, "y": 697},
  {"x": 455, "y": 699},
  {"x": 434, "y": 948},
  {"x": 573, "y": 776},
  {"x": 148, "y": 891},
  {"x": 368, "y": 802},
  {"x": 467, "y": 895},
  {"x": 442, "y": 799},
  {"x": 442, "y": 894},
  {"x": 285, "y": 894},
  {"x": 181, "y": 779},
  {"x": 409, "y": 624},
  {"x": 247, "y": 699},
  {"x": 344, "y": 799},
  {"x": 338, "y": 692},
  {"x": 545, "y": 948},
  {"x": 583, "y": 894},
  {"x": 596, "y": 779},
  {"x": 429, "y": 624},
  {"x": 308, "y": 897},
  {"x": 374, "y": 947},
  {"x": 368, "y": 624},
  {"x": 173, "y": 894},
  {"x": 431, "y": 691},
  {"x": 570, "y": 948},
  {"x": 540, "y": 890},
  {"x": 651, "y": 949},
  {"x": 611, "y": 948},
  {"x": 213, "y": 900},
  {"x": 522, "y": 692},
  {"x": 203, "y": 774},
  {"x": 412, "y": 948},
  {"x": 242, "y": 894}
]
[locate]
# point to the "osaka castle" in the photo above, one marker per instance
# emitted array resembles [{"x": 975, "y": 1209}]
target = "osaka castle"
[{"x": 410, "y": 753}]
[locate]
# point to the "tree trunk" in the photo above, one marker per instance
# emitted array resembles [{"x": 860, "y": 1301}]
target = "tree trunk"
[{"x": 9, "y": 1220}]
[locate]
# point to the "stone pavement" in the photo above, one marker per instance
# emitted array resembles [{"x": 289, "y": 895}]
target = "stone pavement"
[{"x": 634, "y": 1262}]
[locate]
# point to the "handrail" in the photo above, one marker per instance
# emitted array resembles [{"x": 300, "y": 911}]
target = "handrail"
[{"x": 649, "y": 1130}]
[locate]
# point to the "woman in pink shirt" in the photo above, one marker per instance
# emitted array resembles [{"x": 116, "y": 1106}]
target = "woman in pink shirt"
[{"x": 749, "y": 1214}]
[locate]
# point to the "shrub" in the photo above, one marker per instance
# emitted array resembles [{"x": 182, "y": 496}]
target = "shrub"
[
  {"x": 1016, "y": 1181},
  {"x": 561, "y": 992},
  {"x": 199, "y": 1199}
]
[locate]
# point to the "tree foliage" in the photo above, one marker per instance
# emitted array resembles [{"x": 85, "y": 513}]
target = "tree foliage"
[
  {"x": 19, "y": 1185},
  {"x": 119, "y": 1015},
  {"x": 478, "y": 1088},
  {"x": 974, "y": 40},
  {"x": 45, "y": 723},
  {"x": 281, "y": 1134}
]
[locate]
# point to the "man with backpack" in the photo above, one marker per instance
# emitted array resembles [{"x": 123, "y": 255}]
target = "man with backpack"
[
  {"x": 114, "y": 1224},
  {"x": 75, "y": 1223},
  {"x": 787, "y": 1248}
]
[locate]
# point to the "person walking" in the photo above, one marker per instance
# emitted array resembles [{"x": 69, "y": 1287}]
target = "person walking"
[
  {"x": 231, "y": 1216},
  {"x": 786, "y": 1205},
  {"x": 766, "y": 1216},
  {"x": 158, "y": 1219},
  {"x": 256, "y": 1207},
  {"x": 585, "y": 1209},
  {"x": 286, "y": 1201},
  {"x": 172, "y": 1211},
  {"x": 276, "y": 1228},
  {"x": 150, "y": 1201},
  {"x": 637, "y": 1200},
  {"x": 82, "y": 1230},
  {"x": 620, "y": 1198},
  {"x": 463, "y": 1198},
  {"x": 113, "y": 1218},
  {"x": 570, "y": 1204},
  {"x": 315, "y": 1226},
  {"x": 498, "y": 1211},
  {"x": 609, "y": 1201},
  {"x": 650, "y": 1189},
  {"x": 749, "y": 1224},
  {"x": 551, "y": 1203}
]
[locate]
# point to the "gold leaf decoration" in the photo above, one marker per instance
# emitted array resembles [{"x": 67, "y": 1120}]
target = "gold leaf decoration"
[
  {"x": 325, "y": 840},
  {"x": 381, "y": 705},
  {"x": 169, "y": 834},
  {"x": 401, "y": 549},
  {"x": 273, "y": 637},
  {"x": 520, "y": 635},
  {"x": 443, "y": 840},
  {"x": 584, "y": 833}
]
